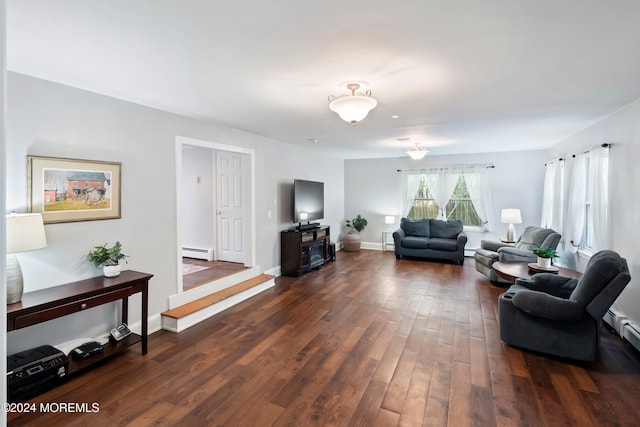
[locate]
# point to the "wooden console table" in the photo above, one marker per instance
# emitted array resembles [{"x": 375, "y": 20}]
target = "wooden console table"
[{"x": 52, "y": 303}]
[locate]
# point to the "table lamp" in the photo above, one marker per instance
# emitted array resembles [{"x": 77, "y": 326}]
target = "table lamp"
[
  {"x": 389, "y": 220},
  {"x": 25, "y": 232},
  {"x": 511, "y": 216}
]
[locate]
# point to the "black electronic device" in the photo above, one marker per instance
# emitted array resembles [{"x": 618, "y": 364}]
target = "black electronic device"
[
  {"x": 308, "y": 202},
  {"x": 120, "y": 332},
  {"x": 332, "y": 251},
  {"x": 35, "y": 371},
  {"x": 86, "y": 350}
]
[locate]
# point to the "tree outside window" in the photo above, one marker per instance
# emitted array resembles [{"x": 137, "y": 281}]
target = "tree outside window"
[{"x": 459, "y": 205}]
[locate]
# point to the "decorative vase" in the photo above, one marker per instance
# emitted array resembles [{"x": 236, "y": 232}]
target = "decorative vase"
[
  {"x": 111, "y": 270},
  {"x": 14, "y": 280},
  {"x": 544, "y": 262},
  {"x": 351, "y": 242}
]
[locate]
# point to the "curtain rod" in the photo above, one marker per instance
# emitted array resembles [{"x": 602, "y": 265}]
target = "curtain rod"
[
  {"x": 561, "y": 159},
  {"x": 605, "y": 145},
  {"x": 488, "y": 166}
]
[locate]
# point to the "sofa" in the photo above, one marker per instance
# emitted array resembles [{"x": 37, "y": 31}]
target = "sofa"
[
  {"x": 430, "y": 239},
  {"x": 560, "y": 316},
  {"x": 531, "y": 237}
]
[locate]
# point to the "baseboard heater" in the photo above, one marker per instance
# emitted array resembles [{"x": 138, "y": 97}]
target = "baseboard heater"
[
  {"x": 198, "y": 253},
  {"x": 624, "y": 327}
]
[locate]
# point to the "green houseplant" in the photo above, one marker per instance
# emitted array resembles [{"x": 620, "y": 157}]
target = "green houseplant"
[
  {"x": 358, "y": 223},
  {"x": 544, "y": 256},
  {"x": 108, "y": 258},
  {"x": 352, "y": 239}
]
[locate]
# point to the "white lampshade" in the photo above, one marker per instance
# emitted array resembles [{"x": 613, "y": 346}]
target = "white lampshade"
[
  {"x": 511, "y": 216},
  {"x": 354, "y": 108},
  {"x": 25, "y": 232},
  {"x": 389, "y": 219}
]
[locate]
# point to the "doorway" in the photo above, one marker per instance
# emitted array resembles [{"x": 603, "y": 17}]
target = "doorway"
[{"x": 215, "y": 207}]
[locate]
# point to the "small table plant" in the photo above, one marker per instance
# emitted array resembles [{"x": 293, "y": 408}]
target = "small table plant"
[
  {"x": 544, "y": 256},
  {"x": 108, "y": 258}
]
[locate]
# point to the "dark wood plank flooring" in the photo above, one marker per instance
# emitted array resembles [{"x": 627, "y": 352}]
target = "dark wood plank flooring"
[
  {"x": 364, "y": 341},
  {"x": 216, "y": 270}
]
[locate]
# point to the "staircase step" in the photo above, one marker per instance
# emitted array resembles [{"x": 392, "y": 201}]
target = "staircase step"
[{"x": 206, "y": 301}]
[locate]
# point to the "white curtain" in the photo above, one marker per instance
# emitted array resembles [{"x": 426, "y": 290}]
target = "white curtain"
[
  {"x": 477, "y": 181},
  {"x": 553, "y": 196},
  {"x": 599, "y": 173},
  {"x": 409, "y": 184},
  {"x": 441, "y": 184},
  {"x": 576, "y": 209},
  {"x": 547, "y": 195}
]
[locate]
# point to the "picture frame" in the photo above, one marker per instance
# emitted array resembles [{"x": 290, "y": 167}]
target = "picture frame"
[{"x": 70, "y": 190}]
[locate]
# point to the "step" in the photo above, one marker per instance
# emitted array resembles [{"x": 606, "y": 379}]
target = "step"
[{"x": 179, "y": 318}]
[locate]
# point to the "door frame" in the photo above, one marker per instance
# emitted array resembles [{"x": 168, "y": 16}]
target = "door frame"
[{"x": 181, "y": 141}]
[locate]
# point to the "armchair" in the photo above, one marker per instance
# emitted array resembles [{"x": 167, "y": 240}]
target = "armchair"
[
  {"x": 561, "y": 316},
  {"x": 531, "y": 237}
]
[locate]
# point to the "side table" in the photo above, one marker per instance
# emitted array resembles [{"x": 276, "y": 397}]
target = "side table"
[
  {"x": 510, "y": 271},
  {"x": 385, "y": 240}
]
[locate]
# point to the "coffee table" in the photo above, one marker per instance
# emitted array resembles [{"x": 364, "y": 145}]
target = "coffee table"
[{"x": 510, "y": 271}]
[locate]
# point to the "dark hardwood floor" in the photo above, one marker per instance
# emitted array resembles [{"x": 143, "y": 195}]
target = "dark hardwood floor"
[
  {"x": 215, "y": 270},
  {"x": 364, "y": 341}
]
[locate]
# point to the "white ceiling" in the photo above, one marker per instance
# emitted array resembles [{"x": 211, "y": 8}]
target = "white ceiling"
[{"x": 465, "y": 76}]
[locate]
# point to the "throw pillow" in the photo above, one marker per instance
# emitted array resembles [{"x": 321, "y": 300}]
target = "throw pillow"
[
  {"x": 445, "y": 229},
  {"x": 415, "y": 227}
]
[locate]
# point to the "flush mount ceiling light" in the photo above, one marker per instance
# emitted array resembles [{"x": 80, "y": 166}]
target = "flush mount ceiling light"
[
  {"x": 355, "y": 107},
  {"x": 417, "y": 152}
]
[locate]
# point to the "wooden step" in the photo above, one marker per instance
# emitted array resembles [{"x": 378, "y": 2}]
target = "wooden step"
[{"x": 199, "y": 304}]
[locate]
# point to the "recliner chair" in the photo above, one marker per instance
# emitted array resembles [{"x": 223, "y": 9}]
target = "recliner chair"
[
  {"x": 561, "y": 316},
  {"x": 530, "y": 238}
]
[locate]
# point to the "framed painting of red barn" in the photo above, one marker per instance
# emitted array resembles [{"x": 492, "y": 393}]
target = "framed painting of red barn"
[{"x": 68, "y": 190}]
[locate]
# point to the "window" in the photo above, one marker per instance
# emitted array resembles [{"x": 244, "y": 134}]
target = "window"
[
  {"x": 459, "y": 206},
  {"x": 589, "y": 228}
]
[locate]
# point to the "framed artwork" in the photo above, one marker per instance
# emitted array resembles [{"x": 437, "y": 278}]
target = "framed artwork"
[{"x": 69, "y": 190}]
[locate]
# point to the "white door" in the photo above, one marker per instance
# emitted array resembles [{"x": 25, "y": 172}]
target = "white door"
[{"x": 230, "y": 206}]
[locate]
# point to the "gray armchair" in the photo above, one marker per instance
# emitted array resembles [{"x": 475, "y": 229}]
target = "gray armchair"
[
  {"x": 531, "y": 237},
  {"x": 561, "y": 316}
]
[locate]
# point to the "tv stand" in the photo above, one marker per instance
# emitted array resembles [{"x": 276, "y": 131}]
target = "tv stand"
[
  {"x": 308, "y": 226},
  {"x": 304, "y": 250}
]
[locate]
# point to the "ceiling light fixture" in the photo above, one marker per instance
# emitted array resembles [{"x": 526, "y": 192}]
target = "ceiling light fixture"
[
  {"x": 355, "y": 107},
  {"x": 417, "y": 152}
]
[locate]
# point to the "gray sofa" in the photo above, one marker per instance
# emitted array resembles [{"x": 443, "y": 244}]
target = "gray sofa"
[
  {"x": 531, "y": 237},
  {"x": 430, "y": 239},
  {"x": 560, "y": 316}
]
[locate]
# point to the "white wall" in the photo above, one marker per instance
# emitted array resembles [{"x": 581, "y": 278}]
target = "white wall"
[
  {"x": 622, "y": 130},
  {"x": 372, "y": 188},
  {"x": 3, "y": 284},
  {"x": 49, "y": 119},
  {"x": 197, "y": 197}
]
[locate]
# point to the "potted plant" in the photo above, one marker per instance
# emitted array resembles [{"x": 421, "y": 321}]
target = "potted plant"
[
  {"x": 352, "y": 239},
  {"x": 544, "y": 256},
  {"x": 108, "y": 258}
]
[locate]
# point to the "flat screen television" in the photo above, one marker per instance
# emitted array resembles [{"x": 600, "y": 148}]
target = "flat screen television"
[{"x": 308, "y": 200}]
